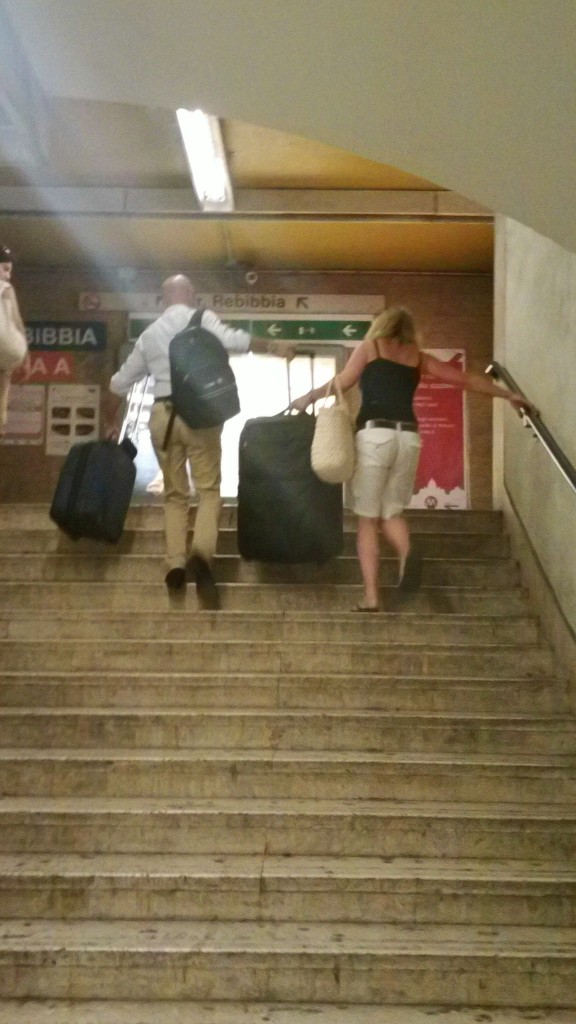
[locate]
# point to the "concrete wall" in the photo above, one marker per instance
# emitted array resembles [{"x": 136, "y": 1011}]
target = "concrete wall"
[{"x": 535, "y": 317}]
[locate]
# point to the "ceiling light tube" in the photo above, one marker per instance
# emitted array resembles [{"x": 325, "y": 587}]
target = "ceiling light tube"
[{"x": 204, "y": 149}]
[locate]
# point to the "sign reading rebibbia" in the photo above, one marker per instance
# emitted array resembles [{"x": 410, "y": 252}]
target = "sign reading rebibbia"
[{"x": 247, "y": 303}]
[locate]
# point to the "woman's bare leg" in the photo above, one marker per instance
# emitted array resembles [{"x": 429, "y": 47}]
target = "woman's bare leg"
[
  {"x": 368, "y": 548},
  {"x": 397, "y": 533}
]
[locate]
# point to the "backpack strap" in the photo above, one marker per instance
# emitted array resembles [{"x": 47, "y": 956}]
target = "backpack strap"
[{"x": 194, "y": 321}]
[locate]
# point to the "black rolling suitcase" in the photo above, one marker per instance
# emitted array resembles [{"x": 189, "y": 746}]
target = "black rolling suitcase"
[
  {"x": 285, "y": 513},
  {"x": 95, "y": 486}
]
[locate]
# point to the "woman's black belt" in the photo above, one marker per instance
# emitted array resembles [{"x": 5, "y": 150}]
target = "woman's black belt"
[{"x": 391, "y": 425}]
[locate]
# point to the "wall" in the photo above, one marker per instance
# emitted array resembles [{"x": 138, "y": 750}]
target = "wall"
[
  {"x": 535, "y": 311},
  {"x": 452, "y": 310}
]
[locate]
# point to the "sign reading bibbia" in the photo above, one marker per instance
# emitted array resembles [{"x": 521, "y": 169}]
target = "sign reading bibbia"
[{"x": 66, "y": 335}]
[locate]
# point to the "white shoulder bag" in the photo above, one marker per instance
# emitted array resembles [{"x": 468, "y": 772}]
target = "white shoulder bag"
[
  {"x": 13, "y": 347},
  {"x": 333, "y": 453}
]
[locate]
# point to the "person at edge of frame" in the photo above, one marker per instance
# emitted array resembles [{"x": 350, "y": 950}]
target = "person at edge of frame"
[{"x": 8, "y": 297}]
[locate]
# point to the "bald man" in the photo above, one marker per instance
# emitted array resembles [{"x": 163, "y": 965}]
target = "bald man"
[{"x": 201, "y": 448}]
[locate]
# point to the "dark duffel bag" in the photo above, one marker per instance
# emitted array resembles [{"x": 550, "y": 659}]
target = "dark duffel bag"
[{"x": 285, "y": 513}]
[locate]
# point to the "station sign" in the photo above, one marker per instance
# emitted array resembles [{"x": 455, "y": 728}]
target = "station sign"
[
  {"x": 266, "y": 303},
  {"x": 66, "y": 335}
]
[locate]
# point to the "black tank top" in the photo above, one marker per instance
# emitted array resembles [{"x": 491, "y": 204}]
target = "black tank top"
[{"x": 387, "y": 391}]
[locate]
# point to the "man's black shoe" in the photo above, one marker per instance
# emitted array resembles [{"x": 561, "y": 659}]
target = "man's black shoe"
[
  {"x": 175, "y": 579},
  {"x": 198, "y": 569}
]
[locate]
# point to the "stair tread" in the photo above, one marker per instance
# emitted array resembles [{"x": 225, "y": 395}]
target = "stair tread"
[
  {"x": 95, "y": 675},
  {"x": 361, "y": 644},
  {"x": 158, "y": 868},
  {"x": 489, "y": 718},
  {"x": 247, "y": 756},
  {"x": 38, "y": 936},
  {"x": 151, "y": 1012},
  {"x": 157, "y": 558},
  {"x": 286, "y": 807},
  {"x": 237, "y": 616}
]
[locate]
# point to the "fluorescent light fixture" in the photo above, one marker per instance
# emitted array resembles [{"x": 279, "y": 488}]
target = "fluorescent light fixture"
[{"x": 206, "y": 159}]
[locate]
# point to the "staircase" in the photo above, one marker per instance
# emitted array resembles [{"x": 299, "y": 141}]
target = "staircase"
[{"x": 283, "y": 812}]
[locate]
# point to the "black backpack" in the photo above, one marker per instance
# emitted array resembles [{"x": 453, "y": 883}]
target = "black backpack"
[{"x": 204, "y": 392}]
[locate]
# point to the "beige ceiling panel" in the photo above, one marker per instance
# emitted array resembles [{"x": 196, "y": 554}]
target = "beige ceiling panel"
[
  {"x": 263, "y": 158},
  {"x": 113, "y": 241},
  {"x": 364, "y": 246},
  {"x": 309, "y": 245}
]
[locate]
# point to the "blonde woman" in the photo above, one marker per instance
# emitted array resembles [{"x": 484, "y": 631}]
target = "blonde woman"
[
  {"x": 12, "y": 316},
  {"x": 387, "y": 365}
]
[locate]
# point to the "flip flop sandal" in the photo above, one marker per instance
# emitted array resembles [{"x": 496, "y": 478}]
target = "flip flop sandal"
[{"x": 365, "y": 608}]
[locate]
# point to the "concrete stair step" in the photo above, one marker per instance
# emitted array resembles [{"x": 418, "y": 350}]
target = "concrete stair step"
[
  {"x": 293, "y": 730},
  {"x": 290, "y": 626},
  {"x": 31, "y": 1011},
  {"x": 292, "y": 775},
  {"x": 152, "y": 597},
  {"x": 151, "y": 542},
  {"x": 354, "y": 889},
  {"x": 150, "y": 516},
  {"x": 334, "y": 962},
  {"x": 307, "y": 827},
  {"x": 317, "y": 870},
  {"x": 436, "y": 572},
  {"x": 270, "y": 656},
  {"x": 196, "y": 690}
]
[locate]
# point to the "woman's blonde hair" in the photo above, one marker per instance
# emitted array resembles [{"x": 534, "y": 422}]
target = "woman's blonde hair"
[{"x": 396, "y": 323}]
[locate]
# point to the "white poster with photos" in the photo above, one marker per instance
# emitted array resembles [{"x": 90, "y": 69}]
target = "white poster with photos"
[
  {"x": 26, "y": 404},
  {"x": 73, "y": 415}
]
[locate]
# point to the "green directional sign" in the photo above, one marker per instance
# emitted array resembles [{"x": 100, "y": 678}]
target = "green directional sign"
[
  {"x": 283, "y": 329},
  {"x": 305, "y": 330}
]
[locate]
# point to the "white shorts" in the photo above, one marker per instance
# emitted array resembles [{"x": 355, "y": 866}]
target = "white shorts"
[{"x": 386, "y": 464}]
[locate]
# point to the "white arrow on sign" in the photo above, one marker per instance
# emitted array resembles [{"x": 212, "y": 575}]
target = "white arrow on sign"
[
  {"x": 274, "y": 329},
  {"x": 349, "y": 330}
]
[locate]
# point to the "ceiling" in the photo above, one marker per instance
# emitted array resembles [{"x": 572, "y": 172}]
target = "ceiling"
[
  {"x": 479, "y": 98},
  {"x": 88, "y": 183}
]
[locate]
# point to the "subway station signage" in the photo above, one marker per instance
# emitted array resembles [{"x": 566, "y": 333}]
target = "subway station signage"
[
  {"x": 341, "y": 330},
  {"x": 66, "y": 335},
  {"x": 247, "y": 303},
  {"x": 311, "y": 329}
]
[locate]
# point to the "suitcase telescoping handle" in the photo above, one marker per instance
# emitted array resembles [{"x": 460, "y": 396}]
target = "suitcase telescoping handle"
[
  {"x": 134, "y": 405},
  {"x": 300, "y": 352}
]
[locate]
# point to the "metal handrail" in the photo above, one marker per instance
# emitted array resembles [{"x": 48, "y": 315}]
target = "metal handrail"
[{"x": 533, "y": 421}]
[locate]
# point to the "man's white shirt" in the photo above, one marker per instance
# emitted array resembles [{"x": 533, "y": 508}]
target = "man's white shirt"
[{"x": 150, "y": 352}]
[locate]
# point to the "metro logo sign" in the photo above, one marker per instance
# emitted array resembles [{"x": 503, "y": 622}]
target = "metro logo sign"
[{"x": 41, "y": 368}]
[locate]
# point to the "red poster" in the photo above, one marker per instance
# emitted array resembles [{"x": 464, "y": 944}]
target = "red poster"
[
  {"x": 441, "y": 478},
  {"x": 44, "y": 367}
]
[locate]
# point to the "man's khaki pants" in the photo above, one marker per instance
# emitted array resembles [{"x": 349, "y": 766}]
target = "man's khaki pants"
[{"x": 203, "y": 450}]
